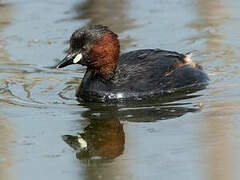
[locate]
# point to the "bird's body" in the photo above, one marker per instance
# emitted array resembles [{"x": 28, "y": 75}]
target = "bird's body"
[{"x": 132, "y": 75}]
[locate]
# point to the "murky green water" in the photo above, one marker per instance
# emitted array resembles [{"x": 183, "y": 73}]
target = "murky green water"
[{"x": 193, "y": 137}]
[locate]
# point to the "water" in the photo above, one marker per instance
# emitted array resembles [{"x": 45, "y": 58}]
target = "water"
[{"x": 193, "y": 137}]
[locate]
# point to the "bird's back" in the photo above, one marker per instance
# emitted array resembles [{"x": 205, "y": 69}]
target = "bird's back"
[{"x": 155, "y": 70}]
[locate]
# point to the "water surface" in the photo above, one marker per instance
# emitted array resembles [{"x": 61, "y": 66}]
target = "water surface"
[{"x": 190, "y": 137}]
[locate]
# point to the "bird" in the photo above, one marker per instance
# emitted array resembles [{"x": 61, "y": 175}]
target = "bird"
[{"x": 134, "y": 75}]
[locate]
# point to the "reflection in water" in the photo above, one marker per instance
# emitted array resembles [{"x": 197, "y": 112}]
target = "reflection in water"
[
  {"x": 213, "y": 16},
  {"x": 148, "y": 111},
  {"x": 101, "y": 138},
  {"x": 220, "y": 155},
  {"x": 6, "y": 157},
  {"x": 104, "y": 136},
  {"x": 112, "y": 13},
  {"x": 5, "y": 17}
]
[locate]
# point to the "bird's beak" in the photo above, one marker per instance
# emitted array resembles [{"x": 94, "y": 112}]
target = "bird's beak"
[{"x": 73, "y": 58}]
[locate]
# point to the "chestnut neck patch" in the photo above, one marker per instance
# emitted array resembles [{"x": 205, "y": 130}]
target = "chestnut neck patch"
[{"x": 104, "y": 54}]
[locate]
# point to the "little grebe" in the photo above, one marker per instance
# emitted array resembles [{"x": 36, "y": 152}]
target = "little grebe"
[{"x": 134, "y": 75}]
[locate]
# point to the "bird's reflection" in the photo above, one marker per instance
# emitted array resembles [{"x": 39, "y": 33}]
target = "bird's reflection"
[
  {"x": 104, "y": 136},
  {"x": 101, "y": 138}
]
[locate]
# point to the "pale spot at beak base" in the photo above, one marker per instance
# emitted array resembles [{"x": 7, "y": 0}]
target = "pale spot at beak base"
[{"x": 77, "y": 58}]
